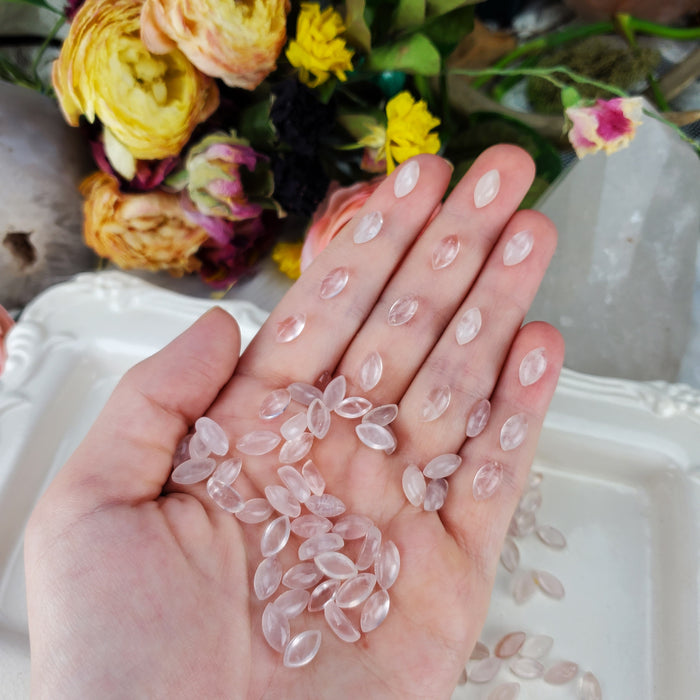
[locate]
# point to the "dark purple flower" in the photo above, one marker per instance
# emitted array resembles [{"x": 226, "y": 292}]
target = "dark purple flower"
[{"x": 300, "y": 183}]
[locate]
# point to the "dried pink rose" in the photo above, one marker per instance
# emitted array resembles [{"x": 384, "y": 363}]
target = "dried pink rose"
[{"x": 607, "y": 125}]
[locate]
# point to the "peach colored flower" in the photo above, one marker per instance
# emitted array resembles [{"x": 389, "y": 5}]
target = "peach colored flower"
[
  {"x": 236, "y": 41},
  {"x": 338, "y": 207},
  {"x": 6, "y": 324},
  {"x": 150, "y": 104},
  {"x": 147, "y": 231},
  {"x": 608, "y": 125}
]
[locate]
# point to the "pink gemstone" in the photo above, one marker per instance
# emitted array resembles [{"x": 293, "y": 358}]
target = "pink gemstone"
[
  {"x": 551, "y": 536},
  {"x": 302, "y": 575},
  {"x": 435, "y": 494},
  {"x": 531, "y": 500},
  {"x": 318, "y": 544},
  {"x": 526, "y": 668},
  {"x": 294, "y": 450},
  {"x": 275, "y": 627},
  {"x": 442, "y": 466},
  {"x": 319, "y": 418},
  {"x": 325, "y": 505},
  {"x": 353, "y": 407},
  {"x": 532, "y": 367},
  {"x": 302, "y": 648},
  {"x": 478, "y": 418},
  {"x": 226, "y": 497},
  {"x": 513, "y": 432},
  {"x": 505, "y": 691},
  {"x": 536, "y": 646},
  {"x": 182, "y": 451},
  {"x": 282, "y": 501},
  {"x": 518, "y": 248},
  {"x": 484, "y": 670},
  {"x": 480, "y": 651},
  {"x": 375, "y": 436},
  {"x": 304, "y": 393},
  {"x": 322, "y": 594},
  {"x": 509, "y": 645},
  {"x": 435, "y": 404},
  {"x": 382, "y": 415},
  {"x": 368, "y": 227},
  {"x": 290, "y": 328},
  {"x": 212, "y": 435},
  {"x": 374, "y": 611},
  {"x": 313, "y": 477},
  {"x": 334, "y": 393},
  {"x": 275, "y": 536},
  {"x": 227, "y": 471},
  {"x": 370, "y": 371},
  {"x": 293, "y": 427},
  {"x": 549, "y": 584},
  {"x": 275, "y": 404},
  {"x": 469, "y": 326},
  {"x": 197, "y": 448},
  {"x": 445, "y": 252},
  {"x": 258, "y": 442},
  {"x": 523, "y": 523},
  {"x": 589, "y": 688},
  {"x": 334, "y": 283},
  {"x": 293, "y": 602},
  {"x": 510, "y": 555},
  {"x": 255, "y": 510},
  {"x": 413, "y": 483},
  {"x": 193, "y": 470},
  {"x": 487, "y": 480},
  {"x": 403, "y": 310},
  {"x": 406, "y": 179},
  {"x": 523, "y": 586},
  {"x": 335, "y": 564},
  {"x": 352, "y": 526},
  {"x": 340, "y": 624},
  {"x": 387, "y": 564},
  {"x": 486, "y": 190},
  {"x": 308, "y": 525},
  {"x": 561, "y": 672},
  {"x": 267, "y": 577},
  {"x": 370, "y": 548},
  {"x": 295, "y": 482},
  {"x": 355, "y": 590}
]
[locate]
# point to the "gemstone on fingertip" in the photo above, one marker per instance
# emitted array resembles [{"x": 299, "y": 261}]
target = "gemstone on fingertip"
[
  {"x": 290, "y": 328},
  {"x": 368, "y": 227},
  {"x": 478, "y": 418},
  {"x": 518, "y": 248},
  {"x": 445, "y": 252},
  {"x": 487, "y": 188},
  {"x": 370, "y": 371},
  {"x": 406, "y": 178},
  {"x": 334, "y": 283},
  {"x": 513, "y": 432},
  {"x": 469, "y": 326},
  {"x": 487, "y": 480},
  {"x": 532, "y": 367},
  {"x": 435, "y": 403},
  {"x": 403, "y": 310}
]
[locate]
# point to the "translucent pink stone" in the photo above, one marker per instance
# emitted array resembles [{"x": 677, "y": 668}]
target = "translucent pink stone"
[
  {"x": 212, "y": 435},
  {"x": 468, "y": 326},
  {"x": 352, "y": 526},
  {"x": 505, "y": 691},
  {"x": 413, "y": 483},
  {"x": 523, "y": 523},
  {"x": 509, "y": 645},
  {"x": 255, "y": 510},
  {"x": 319, "y": 418},
  {"x": 484, "y": 670},
  {"x": 322, "y": 594},
  {"x": 368, "y": 227},
  {"x": 510, "y": 555},
  {"x": 549, "y": 584},
  {"x": 435, "y": 403},
  {"x": 522, "y": 586},
  {"x": 551, "y": 536},
  {"x": 442, "y": 466},
  {"x": 355, "y": 590},
  {"x": 335, "y": 564},
  {"x": 293, "y": 602},
  {"x": 374, "y": 611},
  {"x": 304, "y": 393},
  {"x": 182, "y": 451},
  {"x": 370, "y": 548},
  {"x": 339, "y": 623},
  {"x": 295, "y": 482},
  {"x": 226, "y": 497},
  {"x": 313, "y": 477},
  {"x": 513, "y": 432},
  {"x": 370, "y": 371},
  {"x": 193, "y": 470},
  {"x": 309, "y": 525},
  {"x": 258, "y": 442},
  {"x": 486, "y": 190},
  {"x": 274, "y": 404},
  {"x": 435, "y": 494},
  {"x": 282, "y": 501},
  {"x": 227, "y": 471},
  {"x": 293, "y": 427},
  {"x": 267, "y": 577},
  {"x": 197, "y": 448},
  {"x": 480, "y": 651},
  {"x": 560, "y": 673},
  {"x": 526, "y": 668},
  {"x": 530, "y": 501},
  {"x": 375, "y": 436},
  {"x": 406, "y": 178},
  {"x": 334, "y": 393},
  {"x": 532, "y": 367},
  {"x": 302, "y": 575},
  {"x": 318, "y": 544},
  {"x": 334, "y": 283},
  {"x": 275, "y": 627},
  {"x": 327, "y": 505},
  {"x": 382, "y": 415},
  {"x": 589, "y": 687},
  {"x": 487, "y": 480},
  {"x": 353, "y": 407},
  {"x": 323, "y": 380},
  {"x": 445, "y": 252},
  {"x": 392, "y": 447},
  {"x": 295, "y": 450},
  {"x": 536, "y": 646},
  {"x": 518, "y": 248},
  {"x": 290, "y": 328},
  {"x": 301, "y": 649},
  {"x": 275, "y": 536},
  {"x": 478, "y": 418},
  {"x": 387, "y": 564},
  {"x": 403, "y": 310}
]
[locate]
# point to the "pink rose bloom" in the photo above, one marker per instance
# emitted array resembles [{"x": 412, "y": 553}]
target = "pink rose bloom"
[
  {"x": 338, "y": 207},
  {"x": 607, "y": 125},
  {"x": 6, "y": 323}
]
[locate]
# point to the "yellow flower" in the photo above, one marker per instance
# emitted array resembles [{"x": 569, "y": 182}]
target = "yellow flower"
[
  {"x": 318, "y": 49},
  {"x": 151, "y": 104},
  {"x": 236, "y": 41},
  {"x": 288, "y": 258},
  {"x": 147, "y": 231},
  {"x": 409, "y": 124}
]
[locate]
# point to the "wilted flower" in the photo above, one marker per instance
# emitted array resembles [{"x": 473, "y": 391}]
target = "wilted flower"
[
  {"x": 6, "y": 323},
  {"x": 148, "y": 230},
  {"x": 318, "y": 51},
  {"x": 408, "y": 130},
  {"x": 226, "y": 178},
  {"x": 607, "y": 125},
  {"x": 238, "y": 42},
  {"x": 339, "y": 206},
  {"x": 150, "y": 103}
]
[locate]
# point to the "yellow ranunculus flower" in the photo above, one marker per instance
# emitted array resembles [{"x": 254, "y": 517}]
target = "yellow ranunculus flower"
[
  {"x": 318, "y": 50},
  {"x": 409, "y": 124},
  {"x": 151, "y": 104},
  {"x": 145, "y": 231},
  {"x": 236, "y": 41},
  {"x": 288, "y": 258}
]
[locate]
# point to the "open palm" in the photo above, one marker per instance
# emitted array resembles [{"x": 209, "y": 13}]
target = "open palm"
[{"x": 139, "y": 587}]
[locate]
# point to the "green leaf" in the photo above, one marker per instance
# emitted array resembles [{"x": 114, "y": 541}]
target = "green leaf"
[
  {"x": 356, "y": 29},
  {"x": 358, "y": 125},
  {"x": 446, "y": 31},
  {"x": 38, "y": 3},
  {"x": 255, "y": 125},
  {"x": 441, "y": 7},
  {"x": 409, "y": 14},
  {"x": 570, "y": 97},
  {"x": 414, "y": 54}
]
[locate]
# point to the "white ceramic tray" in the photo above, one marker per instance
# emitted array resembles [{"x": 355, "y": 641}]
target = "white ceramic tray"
[{"x": 621, "y": 466}]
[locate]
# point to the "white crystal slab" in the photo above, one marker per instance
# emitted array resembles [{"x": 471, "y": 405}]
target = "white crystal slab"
[{"x": 621, "y": 465}]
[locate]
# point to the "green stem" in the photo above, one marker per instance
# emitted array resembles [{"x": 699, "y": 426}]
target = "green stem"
[
  {"x": 695, "y": 144},
  {"x": 42, "y": 49}
]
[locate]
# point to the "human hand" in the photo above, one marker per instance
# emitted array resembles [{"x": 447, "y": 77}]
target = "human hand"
[{"x": 139, "y": 587}]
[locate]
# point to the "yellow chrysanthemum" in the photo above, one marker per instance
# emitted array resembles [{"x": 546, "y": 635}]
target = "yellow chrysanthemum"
[
  {"x": 318, "y": 49},
  {"x": 408, "y": 130},
  {"x": 288, "y": 258}
]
